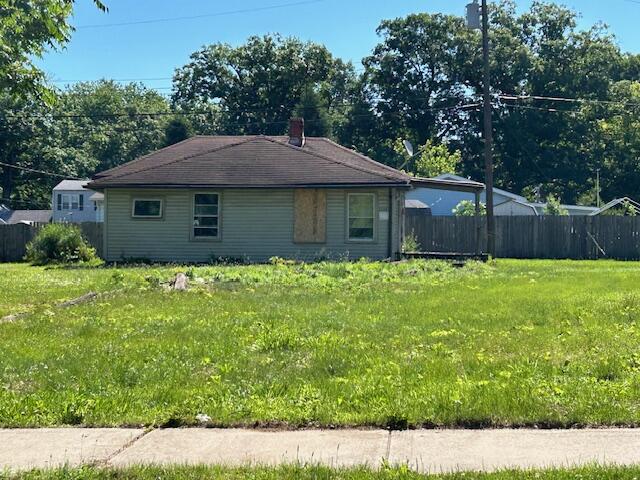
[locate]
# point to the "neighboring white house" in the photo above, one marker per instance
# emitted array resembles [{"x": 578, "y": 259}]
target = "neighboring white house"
[
  {"x": 442, "y": 202},
  {"x": 75, "y": 204}
]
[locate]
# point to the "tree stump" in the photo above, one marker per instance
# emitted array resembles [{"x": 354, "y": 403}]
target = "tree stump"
[{"x": 181, "y": 282}]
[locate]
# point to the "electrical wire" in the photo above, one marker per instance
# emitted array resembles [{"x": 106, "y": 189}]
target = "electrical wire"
[
  {"x": 206, "y": 15},
  {"x": 198, "y": 112},
  {"x": 568, "y": 100},
  {"x": 41, "y": 172},
  {"x": 26, "y": 202}
]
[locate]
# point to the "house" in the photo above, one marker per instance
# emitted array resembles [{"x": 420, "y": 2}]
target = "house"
[
  {"x": 73, "y": 203},
  {"x": 252, "y": 197},
  {"x": 29, "y": 217},
  {"x": 443, "y": 201}
]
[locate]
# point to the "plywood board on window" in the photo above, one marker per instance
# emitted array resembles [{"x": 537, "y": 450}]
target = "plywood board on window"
[{"x": 310, "y": 211}]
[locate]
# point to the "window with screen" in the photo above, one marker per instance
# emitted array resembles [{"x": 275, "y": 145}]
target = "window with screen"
[
  {"x": 206, "y": 216},
  {"x": 361, "y": 216}
]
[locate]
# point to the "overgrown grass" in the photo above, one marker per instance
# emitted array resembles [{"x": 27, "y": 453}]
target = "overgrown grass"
[
  {"x": 26, "y": 288},
  {"x": 412, "y": 344},
  {"x": 318, "y": 473}
]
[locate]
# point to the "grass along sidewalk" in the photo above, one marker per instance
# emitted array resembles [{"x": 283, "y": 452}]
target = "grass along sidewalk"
[
  {"x": 318, "y": 473},
  {"x": 419, "y": 343}
]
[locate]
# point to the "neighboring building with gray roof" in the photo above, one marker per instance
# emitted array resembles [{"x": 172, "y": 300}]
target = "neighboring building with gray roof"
[
  {"x": 443, "y": 201},
  {"x": 11, "y": 217},
  {"x": 74, "y": 203}
]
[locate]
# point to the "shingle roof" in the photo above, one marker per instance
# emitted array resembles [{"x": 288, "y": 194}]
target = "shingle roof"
[
  {"x": 25, "y": 216},
  {"x": 71, "y": 185},
  {"x": 250, "y": 161}
]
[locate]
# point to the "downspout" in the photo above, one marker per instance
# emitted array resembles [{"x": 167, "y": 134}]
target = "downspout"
[
  {"x": 105, "y": 242},
  {"x": 390, "y": 223}
]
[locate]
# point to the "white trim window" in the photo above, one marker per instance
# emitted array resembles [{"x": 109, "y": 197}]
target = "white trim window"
[
  {"x": 361, "y": 217},
  {"x": 147, "y": 208},
  {"x": 206, "y": 216},
  {"x": 70, "y": 201}
]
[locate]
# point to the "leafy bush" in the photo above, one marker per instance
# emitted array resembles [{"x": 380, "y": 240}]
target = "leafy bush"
[
  {"x": 59, "y": 243},
  {"x": 467, "y": 208},
  {"x": 554, "y": 207}
]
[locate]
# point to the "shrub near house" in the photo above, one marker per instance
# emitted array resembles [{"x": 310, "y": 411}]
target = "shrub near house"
[{"x": 59, "y": 243}]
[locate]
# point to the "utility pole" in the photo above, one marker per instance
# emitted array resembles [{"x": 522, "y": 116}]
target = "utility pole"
[
  {"x": 473, "y": 12},
  {"x": 598, "y": 188}
]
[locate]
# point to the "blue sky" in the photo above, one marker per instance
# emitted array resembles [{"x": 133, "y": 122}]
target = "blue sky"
[{"x": 347, "y": 27}]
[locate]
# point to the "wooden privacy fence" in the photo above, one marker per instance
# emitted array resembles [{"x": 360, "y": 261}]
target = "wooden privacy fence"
[
  {"x": 14, "y": 239},
  {"x": 531, "y": 237}
]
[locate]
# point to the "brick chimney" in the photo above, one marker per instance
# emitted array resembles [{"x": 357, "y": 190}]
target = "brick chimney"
[{"x": 296, "y": 132}]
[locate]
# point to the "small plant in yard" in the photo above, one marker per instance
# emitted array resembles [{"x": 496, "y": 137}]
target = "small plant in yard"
[
  {"x": 59, "y": 243},
  {"x": 410, "y": 243}
]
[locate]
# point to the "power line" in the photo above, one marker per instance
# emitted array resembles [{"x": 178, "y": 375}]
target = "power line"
[
  {"x": 569, "y": 100},
  {"x": 205, "y": 112},
  {"x": 142, "y": 79},
  {"x": 41, "y": 172},
  {"x": 96, "y": 128},
  {"x": 207, "y": 15},
  {"x": 541, "y": 109},
  {"x": 26, "y": 202}
]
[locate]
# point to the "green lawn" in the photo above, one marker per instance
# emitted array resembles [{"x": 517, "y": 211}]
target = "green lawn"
[
  {"x": 318, "y": 473},
  {"x": 418, "y": 343},
  {"x": 27, "y": 289}
]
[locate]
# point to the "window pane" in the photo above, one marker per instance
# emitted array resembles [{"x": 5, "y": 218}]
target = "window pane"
[
  {"x": 361, "y": 233},
  {"x": 205, "y": 221},
  {"x": 206, "y": 210},
  {"x": 147, "y": 208},
  {"x": 206, "y": 199},
  {"x": 205, "y": 232},
  {"x": 361, "y": 223},
  {"x": 361, "y": 206}
]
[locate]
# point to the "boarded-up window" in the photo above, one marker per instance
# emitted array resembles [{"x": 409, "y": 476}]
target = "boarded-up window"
[{"x": 310, "y": 211}]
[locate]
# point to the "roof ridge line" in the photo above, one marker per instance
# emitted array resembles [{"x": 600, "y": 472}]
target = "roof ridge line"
[
  {"x": 183, "y": 158},
  {"x": 315, "y": 154}
]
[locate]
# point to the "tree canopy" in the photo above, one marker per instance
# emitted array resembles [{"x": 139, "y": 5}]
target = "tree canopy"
[
  {"x": 258, "y": 85},
  {"x": 565, "y": 99},
  {"x": 27, "y": 29}
]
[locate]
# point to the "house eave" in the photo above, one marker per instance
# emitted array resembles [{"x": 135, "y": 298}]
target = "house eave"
[{"x": 101, "y": 187}]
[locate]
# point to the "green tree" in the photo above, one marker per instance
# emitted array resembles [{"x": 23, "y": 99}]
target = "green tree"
[
  {"x": 177, "y": 130},
  {"x": 424, "y": 74},
  {"x": 553, "y": 207},
  {"x": 315, "y": 113},
  {"x": 91, "y": 127},
  {"x": 614, "y": 141},
  {"x": 418, "y": 73},
  {"x": 111, "y": 123},
  {"x": 27, "y": 29},
  {"x": 431, "y": 159},
  {"x": 258, "y": 85}
]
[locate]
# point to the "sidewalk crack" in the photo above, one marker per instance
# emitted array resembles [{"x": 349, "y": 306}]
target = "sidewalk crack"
[
  {"x": 104, "y": 462},
  {"x": 388, "y": 451}
]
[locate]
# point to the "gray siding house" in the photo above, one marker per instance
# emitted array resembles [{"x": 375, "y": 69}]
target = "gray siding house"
[
  {"x": 73, "y": 203},
  {"x": 252, "y": 197}
]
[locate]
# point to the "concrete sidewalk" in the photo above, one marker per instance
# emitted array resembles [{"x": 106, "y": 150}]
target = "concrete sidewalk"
[{"x": 425, "y": 451}]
